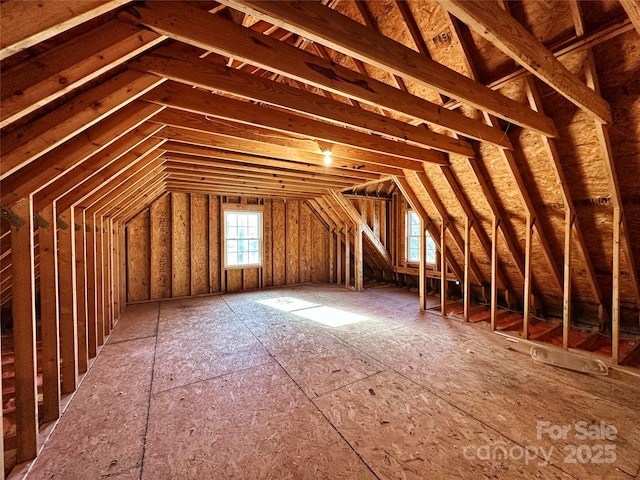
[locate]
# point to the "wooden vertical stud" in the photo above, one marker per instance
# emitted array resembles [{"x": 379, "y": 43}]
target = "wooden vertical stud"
[
  {"x": 49, "y": 314},
  {"x": 347, "y": 257},
  {"x": 467, "y": 269},
  {"x": 359, "y": 261},
  {"x": 90, "y": 259},
  {"x": 68, "y": 302},
  {"x": 443, "y": 268},
  {"x": 24, "y": 331},
  {"x": 527, "y": 278},
  {"x": 99, "y": 264},
  {"x": 422, "y": 280},
  {"x": 615, "y": 300},
  {"x": 494, "y": 271},
  {"x": 81, "y": 291},
  {"x": 566, "y": 303},
  {"x": 338, "y": 254}
]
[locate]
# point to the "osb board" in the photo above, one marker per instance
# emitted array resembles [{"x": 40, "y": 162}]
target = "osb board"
[
  {"x": 181, "y": 245},
  {"x": 138, "y": 267},
  {"x": 292, "y": 241},
  {"x": 197, "y": 341},
  {"x": 161, "y": 248},
  {"x": 319, "y": 251},
  {"x": 252, "y": 423},
  {"x": 316, "y": 360},
  {"x": 103, "y": 430},
  {"x": 306, "y": 242},
  {"x": 432, "y": 358},
  {"x": 597, "y": 225},
  {"x": 251, "y": 278},
  {"x": 599, "y": 11},
  {"x": 137, "y": 321},
  {"x": 278, "y": 241},
  {"x": 199, "y": 244},
  {"x": 234, "y": 279},
  {"x": 548, "y": 21},
  {"x": 618, "y": 65},
  {"x": 404, "y": 431},
  {"x": 579, "y": 149}
]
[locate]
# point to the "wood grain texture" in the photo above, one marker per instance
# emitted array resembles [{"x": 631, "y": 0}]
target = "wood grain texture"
[
  {"x": 325, "y": 26},
  {"x": 139, "y": 258},
  {"x": 24, "y": 334},
  {"x": 189, "y": 24},
  {"x": 185, "y": 97},
  {"x": 501, "y": 29},
  {"x": 160, "y": 231},
  {"x": 199, "y": 244},
  {"x": 180, "y": 245},
  {"x": 185, "y": 67}
]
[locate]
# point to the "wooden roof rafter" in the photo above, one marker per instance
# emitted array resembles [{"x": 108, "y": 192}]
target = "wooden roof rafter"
[
  {"x": 341, "y": 33},
  {"x": 501, "y": 29},
  {"x": 187, "y": 24}
]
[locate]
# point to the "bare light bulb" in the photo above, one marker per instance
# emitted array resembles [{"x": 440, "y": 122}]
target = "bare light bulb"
[{"x": 327, "y": 157}]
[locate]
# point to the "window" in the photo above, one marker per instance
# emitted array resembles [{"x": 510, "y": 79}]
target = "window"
[
  {"x": 243, "y": 239},
  {"x": 412, "y": 233}
]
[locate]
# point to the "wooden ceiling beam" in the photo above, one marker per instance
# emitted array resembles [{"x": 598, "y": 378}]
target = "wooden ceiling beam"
[
  {"x": 505, "y": 32},
  {"x": 28, "y": 22},
  {"x": 206, "y": 156},
  {"x": 189, "y": 24},
  {"x": 138, "y": 141},
  {"x": 267, "y": 139},
  {"x": 272, "y": 151},
  {"x": 176, "y": 64},
  {"x": 29, "y": 142},
  {"x": 134, "y": 200},
  {"x": 189, "y": 99},
  {"x": 40, "y": 80},
  {"x": 328, "y": 27},
  {"x": 56, "y": 163}
]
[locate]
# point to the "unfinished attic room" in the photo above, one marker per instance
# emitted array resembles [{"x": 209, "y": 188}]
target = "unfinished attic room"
[{"x": 334, "y": 239}]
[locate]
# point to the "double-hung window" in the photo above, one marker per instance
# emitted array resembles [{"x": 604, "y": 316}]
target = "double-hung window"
[
  {"x": 412, "y": 234},
  {"x": 242, "y": 239}
]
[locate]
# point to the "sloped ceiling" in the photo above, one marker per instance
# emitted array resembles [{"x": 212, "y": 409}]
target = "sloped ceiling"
[{"x": 524, "y": 115}]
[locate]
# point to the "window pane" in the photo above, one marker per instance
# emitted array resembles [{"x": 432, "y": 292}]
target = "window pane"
[{"x": 243, "y": 238}]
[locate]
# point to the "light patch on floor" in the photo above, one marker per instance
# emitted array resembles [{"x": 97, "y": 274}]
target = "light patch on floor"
[
  {"x": 287, "y": 304},
  {"x": 332, "y": 317}
]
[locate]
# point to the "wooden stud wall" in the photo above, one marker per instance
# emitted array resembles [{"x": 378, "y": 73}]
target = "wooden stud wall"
[{"x": 174, "y": 248}]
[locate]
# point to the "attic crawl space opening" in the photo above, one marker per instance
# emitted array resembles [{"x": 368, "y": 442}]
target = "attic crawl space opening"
[{"x": 480, "y": 155}]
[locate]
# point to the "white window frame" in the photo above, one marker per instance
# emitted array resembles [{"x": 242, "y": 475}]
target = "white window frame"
[
  {"x": 242, "y": 210},
  {"x": 429, "y": 243}
]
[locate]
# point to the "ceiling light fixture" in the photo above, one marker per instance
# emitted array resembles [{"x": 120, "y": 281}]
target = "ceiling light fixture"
[{"x": 327, "y": 156}]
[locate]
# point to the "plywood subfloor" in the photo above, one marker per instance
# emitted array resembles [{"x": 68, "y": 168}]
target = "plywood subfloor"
[{"x": 320, "y": 382}]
